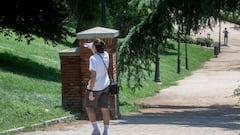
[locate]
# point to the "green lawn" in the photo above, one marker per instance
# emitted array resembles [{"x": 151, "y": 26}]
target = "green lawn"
[{"x": 30, "y": 85}]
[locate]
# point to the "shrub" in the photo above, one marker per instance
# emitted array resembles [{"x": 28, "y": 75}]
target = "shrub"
[{"x": 204, "y": 41}]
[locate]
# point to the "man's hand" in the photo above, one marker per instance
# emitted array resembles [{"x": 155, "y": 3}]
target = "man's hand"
[{"x": 90, "y": 96}]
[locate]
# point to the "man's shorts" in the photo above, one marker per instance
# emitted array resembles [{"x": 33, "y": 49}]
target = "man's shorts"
[{"x": 101, "y": 99}]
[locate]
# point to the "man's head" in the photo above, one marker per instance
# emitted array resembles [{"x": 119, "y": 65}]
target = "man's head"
[{"x": 99, "y": 45}]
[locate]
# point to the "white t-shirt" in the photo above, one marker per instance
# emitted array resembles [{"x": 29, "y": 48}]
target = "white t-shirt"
[{"x": 96, "y": 64}]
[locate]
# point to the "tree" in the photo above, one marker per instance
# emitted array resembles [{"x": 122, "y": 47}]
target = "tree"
[
  {"x": 123, "y": 15},
  {"x": 138, "y": 49},
  {"x": 44, "y": 18},
  {"x": 86, "y": 13}
]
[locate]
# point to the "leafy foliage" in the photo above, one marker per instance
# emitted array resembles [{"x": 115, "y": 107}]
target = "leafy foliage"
[
  {"x": 123, "y": 15},
  {"x": 204, "y": 41},
  {"x": 140, "y": 47},
  {"x": 86, "y": 13},
  {"x": 43, "y": 18},
  {"x": 145, "y": 40}
]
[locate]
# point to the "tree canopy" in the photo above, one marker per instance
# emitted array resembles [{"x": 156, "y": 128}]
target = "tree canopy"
[
  {"x": 44, "y": 18},
  {"x": 145, "y": 40}
]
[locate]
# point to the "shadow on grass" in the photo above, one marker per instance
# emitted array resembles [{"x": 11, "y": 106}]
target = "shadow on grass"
[
  {"x": 68, "y": 43},
  {"x": 27, "y": 67},
  {"x": 216, "y": 116},
  {"x": 169, "y": 53}
]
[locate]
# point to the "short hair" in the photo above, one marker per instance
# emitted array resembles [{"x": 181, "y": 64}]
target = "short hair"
[{"x": 100, "y": 45}]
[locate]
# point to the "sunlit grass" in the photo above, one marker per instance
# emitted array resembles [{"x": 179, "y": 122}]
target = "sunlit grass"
[{"x": 29, "y": 83}]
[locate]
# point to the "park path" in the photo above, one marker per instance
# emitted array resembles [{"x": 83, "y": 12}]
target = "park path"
[{"x": 201, "y": 104}]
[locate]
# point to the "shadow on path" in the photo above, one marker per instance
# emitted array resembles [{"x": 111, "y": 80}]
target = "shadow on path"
[{"x": 217, "y": 116}]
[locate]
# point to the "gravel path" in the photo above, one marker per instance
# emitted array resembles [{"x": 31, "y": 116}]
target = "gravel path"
[{"x": 201, "y": 104}]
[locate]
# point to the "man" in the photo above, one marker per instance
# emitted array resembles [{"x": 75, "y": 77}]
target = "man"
[
  {"x": 97, "y": 89},
  {"x": 225, "y": 36}
]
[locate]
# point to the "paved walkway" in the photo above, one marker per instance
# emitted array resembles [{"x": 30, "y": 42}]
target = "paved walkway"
[{"x": 202, "y": 104}]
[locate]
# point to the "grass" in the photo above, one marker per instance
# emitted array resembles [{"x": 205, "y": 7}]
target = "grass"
[{"x": 30, "y": 85}]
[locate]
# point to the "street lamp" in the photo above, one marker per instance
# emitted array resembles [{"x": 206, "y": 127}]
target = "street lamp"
[
  {"x": 219, "y": 47},
  {"x": 178, "y": 60},
  {"x": 179, "y": 22},
  {"x": 103, "y": 13},
  {"x": 186, "y": 52},
  {"x": 157, "y": 69}
]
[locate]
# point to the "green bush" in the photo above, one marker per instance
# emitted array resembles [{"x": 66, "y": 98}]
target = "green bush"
[{"x": 204, "y": 41}]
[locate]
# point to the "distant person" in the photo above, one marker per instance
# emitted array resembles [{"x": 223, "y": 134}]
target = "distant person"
[{"x": 225, "y": 32}]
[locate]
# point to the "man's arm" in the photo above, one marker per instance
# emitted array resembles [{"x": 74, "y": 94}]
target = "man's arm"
[
  {"x": 92, "y": 79},
  {"x": 92, "y": 82}
]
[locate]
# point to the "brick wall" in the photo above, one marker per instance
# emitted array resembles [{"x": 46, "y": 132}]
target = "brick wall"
[{"x": 71, "y": 82}]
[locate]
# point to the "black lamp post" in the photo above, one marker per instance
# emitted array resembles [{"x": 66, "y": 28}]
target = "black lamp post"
[
  {"x": 186, "y": 52},
  {"x": 103, "y": 13},
  {"x": 178, "y": 59},
  {"x": 157, "y": 68},
  {"x": 179, "y": 22},
  {"x": 219, "y": 46}
]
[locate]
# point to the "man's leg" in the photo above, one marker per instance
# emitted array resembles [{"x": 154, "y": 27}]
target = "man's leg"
[
  {"x": 91, "y": 114},
  {"x": 104, "y": 104},
  {"x": 92, "y": 118},
  {"x": 224, "y": 40},
  {"x": 106, "y": 119},
  {"x": 90, "y": 105}
]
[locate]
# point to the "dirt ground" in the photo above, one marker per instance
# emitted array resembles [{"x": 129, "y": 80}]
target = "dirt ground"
[{"x": 201, "y": 104}]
